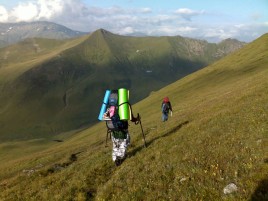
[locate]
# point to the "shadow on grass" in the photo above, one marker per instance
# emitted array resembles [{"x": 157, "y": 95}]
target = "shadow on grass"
[
  {"x": 261, "y": 192},
  {"x": 58, "y": 140},
  {"x": 59, "y": 166},
  {"x": 172, "y": 131}
]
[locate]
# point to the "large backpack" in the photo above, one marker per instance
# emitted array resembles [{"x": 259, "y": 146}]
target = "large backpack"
[
  {"x": 115, "y": 124},
  {"x": 165, "y": 107}
]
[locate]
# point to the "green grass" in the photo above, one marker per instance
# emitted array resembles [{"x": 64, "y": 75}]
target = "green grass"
[{"x": 218, "y": 135}]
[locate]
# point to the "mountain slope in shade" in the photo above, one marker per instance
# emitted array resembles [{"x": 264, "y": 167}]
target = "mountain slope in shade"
[{"x": 65, "y": 80}]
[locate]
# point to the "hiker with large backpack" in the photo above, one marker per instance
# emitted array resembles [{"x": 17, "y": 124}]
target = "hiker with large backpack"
[
  {"x": 165, "y": 108},
  {"x": 116, "y": 111}
]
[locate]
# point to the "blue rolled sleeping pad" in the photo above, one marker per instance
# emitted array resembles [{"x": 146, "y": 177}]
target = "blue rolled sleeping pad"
[{"x": 104, "y": 104}]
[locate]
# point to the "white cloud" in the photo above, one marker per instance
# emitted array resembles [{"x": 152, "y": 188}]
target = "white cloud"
[
  {"x": 3, "y": 14},
  {"x": 242, "y": 32},
  {"x": 250, "y": 31},
  {"x": 127, "y": 30},
  {"x": 218, "y": 33},
  {"x": 42, "y": 10},
  {"x": 187, "y": 13},
  {"x": 78, "y": 16},
  {"x": 171, "y": 31},
  {"x": 49, "y": 8},
  {"x": 146, "y": 10},
  {"x": 256, "y": 16},
  {"x": 24, "y": 12},
  {"x": 239, "y": 25}
]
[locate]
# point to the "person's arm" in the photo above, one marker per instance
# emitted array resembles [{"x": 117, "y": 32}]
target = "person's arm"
[{"x": 170, "y": 107}]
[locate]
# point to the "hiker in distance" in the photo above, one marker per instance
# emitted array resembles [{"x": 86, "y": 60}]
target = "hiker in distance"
[{"x": 165, "y": 108}]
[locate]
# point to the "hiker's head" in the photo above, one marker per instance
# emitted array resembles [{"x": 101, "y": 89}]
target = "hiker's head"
[{"x": 166, "y": 99}]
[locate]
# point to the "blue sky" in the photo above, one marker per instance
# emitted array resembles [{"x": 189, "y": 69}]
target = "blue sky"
[{"x": 211, "y": 20}]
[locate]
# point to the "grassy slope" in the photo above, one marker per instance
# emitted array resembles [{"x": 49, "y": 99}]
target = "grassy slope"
[
  {"x": 25, "y": 55},
  {"x": 217, "y": 135}
]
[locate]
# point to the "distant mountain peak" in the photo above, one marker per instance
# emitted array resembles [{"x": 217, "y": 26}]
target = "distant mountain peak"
[
  {"x": 103, "y": 32},
  {"x": 11, "y": 33}
]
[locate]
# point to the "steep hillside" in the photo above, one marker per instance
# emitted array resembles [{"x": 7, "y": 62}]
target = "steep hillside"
[
  {"x": 65, "y": 80},
  {"x": 21, "y": 57},
  {"x": 216, "y": 136},
  {"x": 11, "y": 33}
]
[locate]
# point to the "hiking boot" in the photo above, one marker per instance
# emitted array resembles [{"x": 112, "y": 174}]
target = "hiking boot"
[{"x": 118, "y": 161}]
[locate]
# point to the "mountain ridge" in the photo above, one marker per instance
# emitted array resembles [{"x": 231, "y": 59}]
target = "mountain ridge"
[{"x": 11, "y": 33}]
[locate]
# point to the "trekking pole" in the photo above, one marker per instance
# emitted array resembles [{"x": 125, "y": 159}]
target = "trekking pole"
[
  {"x": 142, "y": 131},
  {"x": 136, "y": 121},
  {"x": 108, "y": 132}
]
